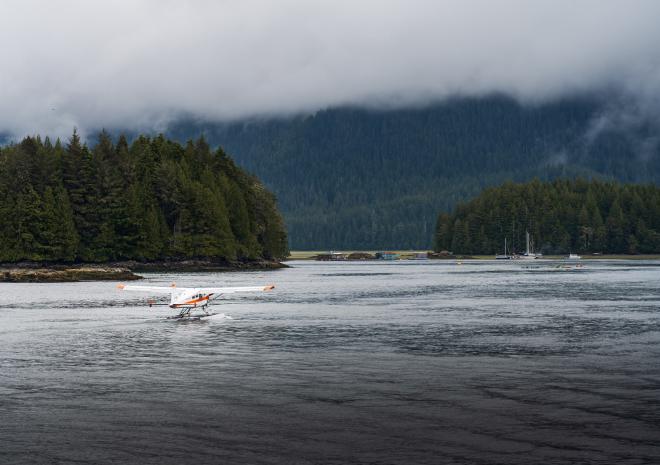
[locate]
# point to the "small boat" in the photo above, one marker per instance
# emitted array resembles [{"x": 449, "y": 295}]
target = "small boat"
[
  {"x": 573, "y": 256},
  {"x": 420, "y": 256}
]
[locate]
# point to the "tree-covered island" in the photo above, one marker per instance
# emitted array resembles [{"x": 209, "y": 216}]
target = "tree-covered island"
[
  {"x": 150, "y": 200},
  {"x": 561, "y": 216}
]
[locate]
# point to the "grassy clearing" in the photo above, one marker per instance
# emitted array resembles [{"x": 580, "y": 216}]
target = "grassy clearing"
[{"x": 303, "y": 254}]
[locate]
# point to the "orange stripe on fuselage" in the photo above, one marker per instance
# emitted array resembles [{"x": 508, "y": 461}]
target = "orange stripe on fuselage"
[{"x": 191, "y": 302}]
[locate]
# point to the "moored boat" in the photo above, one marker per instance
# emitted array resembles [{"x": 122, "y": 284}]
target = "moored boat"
[{"x": 529, "y": 253}]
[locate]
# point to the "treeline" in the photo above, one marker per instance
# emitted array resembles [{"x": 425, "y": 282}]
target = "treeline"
[
  {"x": 354, "y": 178},
  {"x": 561, "y": 216},
  {"x": 152, "y": 199}
]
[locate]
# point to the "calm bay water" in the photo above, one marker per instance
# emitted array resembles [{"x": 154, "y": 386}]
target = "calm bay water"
[{"x": 407, "y": 362}]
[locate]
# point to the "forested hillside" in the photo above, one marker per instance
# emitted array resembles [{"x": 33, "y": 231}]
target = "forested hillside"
[
  {"x": 153, "y": 199},
  {"x": 561, "y": 216},
  {"x": 352, "y": 178}
]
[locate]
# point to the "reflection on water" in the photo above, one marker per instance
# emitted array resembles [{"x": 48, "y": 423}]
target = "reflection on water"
[{"x": 408, "y": 362}]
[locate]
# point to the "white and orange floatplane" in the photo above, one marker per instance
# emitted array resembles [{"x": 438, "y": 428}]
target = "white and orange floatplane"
[{"x": 192, "y": 302}]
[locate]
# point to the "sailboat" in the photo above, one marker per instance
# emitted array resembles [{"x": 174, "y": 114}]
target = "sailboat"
[
  {"x": 505, "y": 256},
  {"x": 529, "y": 254}
]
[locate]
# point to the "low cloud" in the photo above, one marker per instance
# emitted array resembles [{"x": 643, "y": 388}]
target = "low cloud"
[
  {"x": 141, "y": 64},
  {"x": 637, "y": 119}
]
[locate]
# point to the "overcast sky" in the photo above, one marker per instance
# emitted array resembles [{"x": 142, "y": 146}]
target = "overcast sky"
[{"x": 139, "y": 64}]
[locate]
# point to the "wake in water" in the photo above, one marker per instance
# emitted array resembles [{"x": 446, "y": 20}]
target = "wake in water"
[
  {"x": 218, "y": 317},
  {"x": 197, "y": 317}
]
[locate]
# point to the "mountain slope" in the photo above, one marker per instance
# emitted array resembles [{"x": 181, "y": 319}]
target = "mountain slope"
[{"x": 367, "y": 179}]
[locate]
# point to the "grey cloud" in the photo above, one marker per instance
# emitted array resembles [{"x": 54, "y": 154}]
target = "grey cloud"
[
  {"x": 140, "y": 64},
  {"x": 638, "y": 119}
]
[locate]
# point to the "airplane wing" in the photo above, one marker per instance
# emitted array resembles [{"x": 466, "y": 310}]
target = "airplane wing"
[
  {"x": 232, "y": 290},
  {"x": 153, "y": 289}
]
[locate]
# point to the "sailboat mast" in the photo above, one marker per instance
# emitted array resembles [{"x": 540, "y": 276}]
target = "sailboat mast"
[{"x": 527, "y": 241}]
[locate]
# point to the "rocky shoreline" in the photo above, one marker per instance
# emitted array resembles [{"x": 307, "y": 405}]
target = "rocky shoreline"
[
  {"x": 29, "y": 272},
  {"x": 66, "y": 274}
]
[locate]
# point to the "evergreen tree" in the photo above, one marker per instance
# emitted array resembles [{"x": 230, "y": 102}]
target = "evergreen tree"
[
  {"x": 615, "y": 229},
  {"x": 28, "y": 213},
  {"x": 443, "y": 235},
  {"x": 57, "y": 227}
]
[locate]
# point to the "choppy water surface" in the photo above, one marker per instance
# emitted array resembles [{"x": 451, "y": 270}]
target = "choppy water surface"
[{"x": 409, "y": 362}]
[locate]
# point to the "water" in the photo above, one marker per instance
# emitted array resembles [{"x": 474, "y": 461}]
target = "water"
[{"x": 407, "y": 362}]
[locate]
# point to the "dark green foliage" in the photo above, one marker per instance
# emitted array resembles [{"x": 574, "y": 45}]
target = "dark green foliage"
[
  {"x": 349, "y": 178},
  {"x": 562, "y": 216},
  {"x": 152, "y": 200}
]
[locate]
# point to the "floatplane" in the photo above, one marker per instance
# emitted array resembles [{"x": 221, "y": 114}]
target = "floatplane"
[{"x": 192, "y": 302}]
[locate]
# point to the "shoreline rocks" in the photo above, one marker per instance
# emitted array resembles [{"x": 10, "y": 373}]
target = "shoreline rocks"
[
  {"x": 29, "y": 272},
  {"x": 66, "y": 274}
]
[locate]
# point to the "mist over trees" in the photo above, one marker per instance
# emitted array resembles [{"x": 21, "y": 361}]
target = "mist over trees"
[
  {"x": 561, "y": 216},
  {"x": 152, "y": 199}
]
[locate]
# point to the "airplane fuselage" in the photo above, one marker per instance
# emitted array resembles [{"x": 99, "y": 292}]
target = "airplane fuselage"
[{"x": 190, "y": 298}]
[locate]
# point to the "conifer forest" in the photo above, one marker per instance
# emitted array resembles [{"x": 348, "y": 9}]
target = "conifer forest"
[
  {"x": 561, "y": 216},
  {"x": 152, "y": 199}
]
